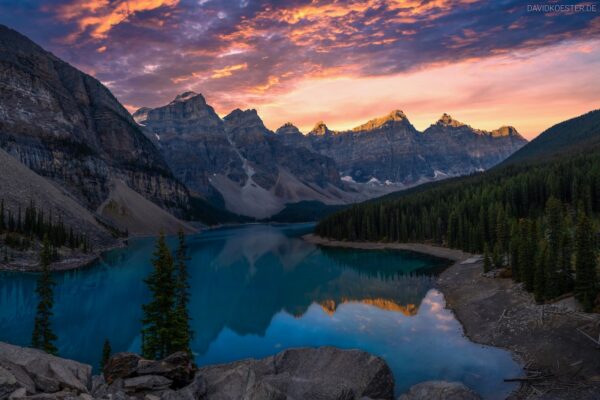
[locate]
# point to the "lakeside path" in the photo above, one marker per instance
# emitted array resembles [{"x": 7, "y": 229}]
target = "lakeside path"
[{"x": 562, "y": 362}]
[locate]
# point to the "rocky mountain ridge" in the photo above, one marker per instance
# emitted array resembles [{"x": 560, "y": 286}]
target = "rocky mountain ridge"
[
  {"x": 390, "y": 149},
  {"x": 239, "y": 163},
  {"x": 236, "y": 161}
]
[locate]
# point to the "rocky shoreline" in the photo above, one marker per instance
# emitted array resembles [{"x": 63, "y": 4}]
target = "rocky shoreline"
[
  {"x": 324, "y": 373},
  {"x": 560, "y": 362}
]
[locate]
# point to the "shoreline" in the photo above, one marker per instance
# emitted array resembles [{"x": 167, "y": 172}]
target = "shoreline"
[
  {"x": 67, "y": 264},
  {"x": 436, "y": 251},
  {"x": 498, "y": 312}
]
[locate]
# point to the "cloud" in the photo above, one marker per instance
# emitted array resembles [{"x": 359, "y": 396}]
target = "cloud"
[
  {"x": 98, "y": 17},
  {"x": 248, "y": 54},
  {"x": 228, "y": 70}
]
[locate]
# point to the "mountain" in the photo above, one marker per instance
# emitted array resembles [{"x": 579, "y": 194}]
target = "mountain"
[
  {"x": 190, "y": 135},
  {"x": 390, "y": 149},
  {"x": 236, "y": 161},
  {"x": 66, "y": 126},
  {"x": 576, "y": 135}
]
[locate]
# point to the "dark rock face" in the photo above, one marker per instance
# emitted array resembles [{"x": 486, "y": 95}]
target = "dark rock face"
[
  {"x": 391, "y": 149},
  {"x": 67, "y": 126},
  {"x": 268, "y": 153},
  {"x": 192, "y": 138},
  {"x": 468, "y": 149}
]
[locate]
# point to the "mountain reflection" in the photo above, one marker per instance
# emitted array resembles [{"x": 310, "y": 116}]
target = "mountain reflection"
[{"x": 240, "y": 279}]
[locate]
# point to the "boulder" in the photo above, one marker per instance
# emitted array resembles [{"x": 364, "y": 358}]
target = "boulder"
[
  {"x": 8, "y": 383},
  {"x": 18, "y": 394},
  {"x": 19, "y": 373},
  {"x": 440, "y": 390},
  {"x": 146, "y": 383},
  {"x": 121, "y": 365},
  {"x": 178, "y": 367},
  {"x": 323, "y": 373},
  {"x": 50, "y": 373}
]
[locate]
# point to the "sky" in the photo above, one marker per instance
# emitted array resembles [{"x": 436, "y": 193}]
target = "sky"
[{"x": 486, "y": 63}]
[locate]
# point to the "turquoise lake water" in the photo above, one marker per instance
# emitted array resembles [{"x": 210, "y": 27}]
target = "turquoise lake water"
[{"x": 259, "y": 289}]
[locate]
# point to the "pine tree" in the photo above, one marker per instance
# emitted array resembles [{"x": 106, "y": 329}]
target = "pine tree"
[
  {"x": 487, "y": 261},
  {"x": 183, "y": 332},
  {"x": 43, "y": 338},
  {"x": 586, "y": 280},
  {"x": 554, "y": 235},
  {"x": 106, "y": 353},
  {"x": 539, "y": 284},
  {"x": 497, "y": 256},
  {"x": 159, "y": 315}
]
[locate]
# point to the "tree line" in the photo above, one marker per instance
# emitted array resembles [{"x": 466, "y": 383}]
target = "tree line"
[
  {"x": 540, "y": 221},
  {"x": 22, "y": 228}
]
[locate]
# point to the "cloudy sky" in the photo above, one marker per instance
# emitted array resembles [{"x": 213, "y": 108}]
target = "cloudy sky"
[{"x": 487, "y": 63}]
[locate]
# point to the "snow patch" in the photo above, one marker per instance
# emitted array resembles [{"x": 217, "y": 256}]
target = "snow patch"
[{"x": 348, "y": 179}]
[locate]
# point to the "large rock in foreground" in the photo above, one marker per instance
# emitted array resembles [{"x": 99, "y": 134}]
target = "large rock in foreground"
[
  {"x": 38, "y": 372},
  {"x": 323, "y": 373}
]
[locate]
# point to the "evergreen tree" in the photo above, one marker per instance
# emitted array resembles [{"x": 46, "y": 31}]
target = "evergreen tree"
[
  {"x": 554, "y": 236},
  {"x": 106, "y": 353},
  {"x": 487, "y": 261},
  {"x": 497, "y": 256},
  {"x": 586, "y": 280},
  {"x": 183, "y": 332},
  {"x": 159, "y": 315},
  {"x": 513, "y": 250},
  {"x": 43, "y": 338},
  {"x": 539, "y": 289}
]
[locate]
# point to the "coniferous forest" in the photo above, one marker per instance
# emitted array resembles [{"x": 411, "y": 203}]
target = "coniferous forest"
[
  {"x": 540, "y": 220},
  {"x": 20, "y": 230}
]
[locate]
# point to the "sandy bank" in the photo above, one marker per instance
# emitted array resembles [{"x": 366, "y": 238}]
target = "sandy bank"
[{"x": 443, "y": 252}]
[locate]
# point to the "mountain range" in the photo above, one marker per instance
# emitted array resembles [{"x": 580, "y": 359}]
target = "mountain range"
[
  {"x": 182, "y": 161},
  {"x": 250, "y": 170}
]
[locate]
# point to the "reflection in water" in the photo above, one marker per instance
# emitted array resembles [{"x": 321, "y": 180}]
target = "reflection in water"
[{"x": 259, "y": 289}]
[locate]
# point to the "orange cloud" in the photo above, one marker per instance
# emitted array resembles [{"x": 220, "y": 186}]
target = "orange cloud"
[
  {"x": 228, "y": 70},
  {"x": 101, "y": 16},
  {"x": 272, "y": 81}
]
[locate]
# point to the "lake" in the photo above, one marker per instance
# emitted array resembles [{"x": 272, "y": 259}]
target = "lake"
[{"x": 259, "y": 289}]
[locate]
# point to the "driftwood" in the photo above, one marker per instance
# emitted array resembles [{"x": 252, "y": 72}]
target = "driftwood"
[{"x": 591, "y": 326}]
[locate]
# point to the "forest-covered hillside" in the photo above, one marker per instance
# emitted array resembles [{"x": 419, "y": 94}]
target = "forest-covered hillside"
[{"x": 538, "y": 214}]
